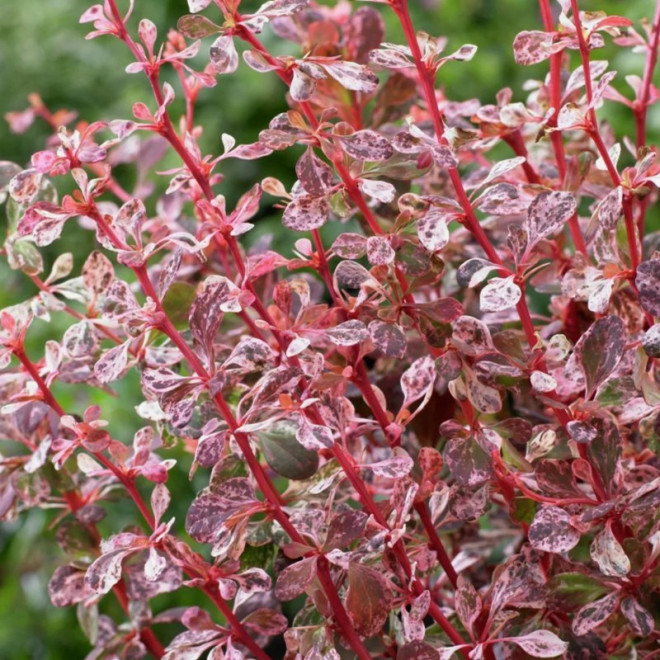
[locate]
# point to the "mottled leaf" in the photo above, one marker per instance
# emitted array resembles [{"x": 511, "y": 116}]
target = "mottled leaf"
[
  {"x": 367, "y": 599},
  {"x": 541, "y": 644},
  {"x": 648, "y": 276},
  {"x": 551, "y": 530},
  {"x": 592, "y": 615},
  {"x": 599, "y": 350}
]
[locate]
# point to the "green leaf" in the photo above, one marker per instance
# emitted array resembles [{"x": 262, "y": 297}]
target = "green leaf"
[
  {"x": 285, "y": 454},
  {"x": 570, "y": 591},
  {"x": 177, "y": 303}
]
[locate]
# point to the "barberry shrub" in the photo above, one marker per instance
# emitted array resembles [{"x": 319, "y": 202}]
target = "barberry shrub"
[{"x": 396, "y": 453}]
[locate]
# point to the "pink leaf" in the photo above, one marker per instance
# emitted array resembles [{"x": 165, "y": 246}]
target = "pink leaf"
[
  {"x": 541, "y": 644},
  {"x": 551, "y": 530}
]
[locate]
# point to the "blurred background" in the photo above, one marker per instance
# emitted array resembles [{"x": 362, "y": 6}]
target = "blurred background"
[{"x": 43, "y": 50}]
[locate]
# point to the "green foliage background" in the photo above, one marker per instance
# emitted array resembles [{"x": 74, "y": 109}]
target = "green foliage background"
[{"x": 42, "y": 49}]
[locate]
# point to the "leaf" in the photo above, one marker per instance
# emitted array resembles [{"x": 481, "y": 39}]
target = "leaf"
[
  {"x": 197, "y": 27},
  {"x": 548, "y": 214},
  {"x": 418, "y": 380},
  {"x": 388, "y": 338},
  {"x": 467, "y": 603},
  {"x": 569, "y": 591},
  {"x": 350, "y": 246},
  {"x": 608, "y": 553},
  {"x": 395, "y": 467},
  {"x": 604, "y": 451},
  {"x": 471, "y": 336},
  {"x": 541, "y": 644},
  {"x": 67, "y": 586},
  {"x": 639, "y": 617},
  {"x": 209, "y": 510},
  {"x": 499, "y": 294},
  {"x": 367, "y": 599},
  {"x": 223, "y": 55},
  {"x": 344, "y": 528},
  {"x": 97, "y": 273},
  {"x": 105, "y": 572},
  {"x": 382, "y": 191},
  {"x": 379, "y": 251},
  {"x": 367, "y": 145},
  {"x": 24, "y": 187},
  {"x": 314, "y": 175},
  {"x": 468, "y": 463},
  {"x": 484, "y": 398},
  {"x": 295, "y": 579},
  {"x": 348, "y": 333},
  {"x": 551, "y": 530},
  {"x": 266, "y": 622},
  {"x": 502, "y": 167},
  {"x": 648, "y": 276},
  {"x": 533, "y": 46},
  {"x": 352, "y": 76},
  {"x": 600, "y": 349},
  {"x": 610, "y": 208},
  {"x": 112, "y": 364},
  {"x": 305, "y": 213},
  {"x": 474, "y": 271},
  {"x": 160, "y": 500},
  {"x": 592, "y": 615},
  {"x": 285, "y": 454},
  {"x": 432, "y": 230},
  {"x": 501, "y": 199},
  {"x": 217, "y": 296}
]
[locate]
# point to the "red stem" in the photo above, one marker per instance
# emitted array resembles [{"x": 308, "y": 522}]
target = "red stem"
[
  {"x": 595, "y": 135},
  {"x": 640, "y": 108},
  {"x": 345, "y": 625},
  {"x": 436, "y": 543}
]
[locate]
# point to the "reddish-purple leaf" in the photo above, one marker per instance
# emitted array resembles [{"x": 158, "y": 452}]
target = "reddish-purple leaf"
[
  {"x": 388, "y": 338},
  {"x": 367, "y": 599},
  {"x": 266, "y": 622},
  {"x": 599, "y": 350},
  {"x": 648, "y": 276},
  {"x": 471, "y": 336},
  {"x": 295, "y": 579},
  {"x": 209, "y": 511},
  {"x": 468, "y": 463},
  {"x": 314, "y": 175},
  {"x": 393, "y": 468},
  {"x": 24, "y": 187},
  {"x": 344, "y": 528}
]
